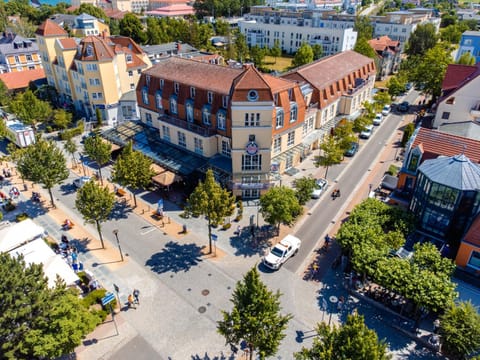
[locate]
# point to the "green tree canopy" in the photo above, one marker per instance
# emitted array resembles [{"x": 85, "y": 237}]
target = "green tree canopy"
[
  {"x": 279, "y": 205},
  {"x": 317, "y": 51},
  {"x": 94, "y": 11},
  {"x": 153, "y": 31},
  {"x": 212, "y": 201},
  {"x": 133, "y": 169},
  {"x": 5, "y": 96},
  {"x": 422, "y": 39},
  {"x": 332, "y": 153},
  {"x": 276, "y": 50},
  {"x": 61, "y": 118},
  {"x": 344, "y": 135},
  {"x": 303, "y": 56},
  {"x": 353, "y": 340},
  {"x": 303, "y": 189},
  {"x": 95, "y": 203},
  {"x": 363, "y": 47},
  {"x": 29, "y": 109},
  {"x": 255, "y": 318},
  {"x": 71, "y": 148},
  {"x": 257, "y": 55},
  {"x": 241, "y": 47},
  {"x": 43, "y": 163},
  {"x": 466, "y": 59},
  {"x": 396, "y": 86},
  {"x": 132, "y": 27},
  {"x": 98, "y": 150},
  {"x": 37, "y": 322},
  {"x": 364, "y": 28},
  {"x": 460, "y": 331}
]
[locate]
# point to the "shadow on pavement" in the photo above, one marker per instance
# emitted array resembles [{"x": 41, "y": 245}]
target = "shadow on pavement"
[
  {"x": 120, "y": 210},
  {"x": 207, "y": 357},
  {"x": 175, "y": 257},
  {"x": 67, "y": 189},
  {"x": 82, "y": 245}
]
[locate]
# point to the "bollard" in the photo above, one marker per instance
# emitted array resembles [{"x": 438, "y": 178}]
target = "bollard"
[
  {"x": 184, "y": 229},
  {"x": 25, "y": 187}
]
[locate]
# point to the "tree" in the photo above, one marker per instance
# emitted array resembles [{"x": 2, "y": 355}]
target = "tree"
[
  {"x": 332, "y": 153},
  {"x": 43, "y": 163},
  {"x": 317, "y": 51},
  {"x": 395, "y": 86},
  {"x": 344, "y": 135},
  {"x": 37, "y": 322},
  {"x": 61, "y": 118},
  {"x": 98, "y": 150},
  {"x": 279, "y": 205},
  {"x": 153, "y": 31},
  {"x": 94, "y": 11},
  {"x": 364, "y": 28},
  {"x": 460, "y": 331},
  {"x": 241, "y": 46},
  {"x": 29, "y": 109},
  {"x": 466, "y": 59},
  {"x": 132, "y": 27},
  {"x": 114, "y": 27},
  {"x": 255, "y": 317},
  {"x": 353, "y": 340},
  {"x": 71, "y": 148},
  {"x": 363, "y": 47},
  {"x": 303, "y": 189},
  {"x": 95, "y": 203},
  {"x": 276, "y": 50},
  {"x": 304, "y": 55},
  {"x": 212, "y": 201},
  {"x": 381, "y": 98},
  {"x": 99, "y": 116},
  {"x": 257, "y": 54},
  {"x": 422, "y": 39},
  {"x": 5, "y": 96},
  {"x": 133, "y": 169}
]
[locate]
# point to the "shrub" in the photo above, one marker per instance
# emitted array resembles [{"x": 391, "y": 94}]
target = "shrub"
[
  {"x": 226, "y": 226},
  {"x": 70, "y": 133},
  {"x": 238, "y": 218},
  {"x": 392, "y": 170},
  {"x": 83, "y": 277}
]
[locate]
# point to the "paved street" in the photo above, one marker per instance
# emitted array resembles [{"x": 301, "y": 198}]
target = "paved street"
[{"x": 183, "y": 290}]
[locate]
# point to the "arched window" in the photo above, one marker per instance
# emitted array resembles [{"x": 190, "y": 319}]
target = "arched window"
[
  {"x": 293, "y": 111},
  {"x": 221, "y": 119},
  {"x": 173, "y": 105},
  {"x": 145, "y": 95},
  {"x": 158, "y": 99},
  {"x": 189, "y": 110},
  {"x": 206, "y": 112}
]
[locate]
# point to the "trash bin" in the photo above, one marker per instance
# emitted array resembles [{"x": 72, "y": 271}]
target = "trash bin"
[{"x": 25, "y": 187}]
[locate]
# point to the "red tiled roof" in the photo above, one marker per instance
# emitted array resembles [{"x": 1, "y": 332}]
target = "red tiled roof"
[
  {"x": 436, "y": 143},
  {"x": 473, "y": 234},
  {"x": 95, "y": 48},
  {"x": 115, "y": 13},
  {"x": 249, "y": 79},
  {"x": 172, "y": 10},
  {"x": 126, "y": 42},
  {"x": 21, "y": 79},
  {"x": 457, "y": 75},
  {"x": 380, "y": 43},
  {"x": 50, "y": 28},
  {"x": 68, "y": 43}
]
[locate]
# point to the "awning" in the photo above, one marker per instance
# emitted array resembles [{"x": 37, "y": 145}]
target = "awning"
[
  {"x": 166, "y": 178},
  {"x": 114, "y": 146},
  {"x": 157, "y": 169}
]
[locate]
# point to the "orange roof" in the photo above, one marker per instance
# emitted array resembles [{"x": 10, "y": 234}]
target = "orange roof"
[
  {"x": 457, "y": 75},
  {"x": 473, "y": 234},
  {"x": 21, "y": 79},
  {"x": 435, "y": 143},
  {"x": 50, "y": 28},
  {"x": 68, "y": 43},
  {"x": 380, "y": 43}
]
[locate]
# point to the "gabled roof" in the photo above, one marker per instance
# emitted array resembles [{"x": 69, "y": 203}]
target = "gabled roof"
[
  {"x": 325, "y": 71},
  {"x": 50, "y": 28},
  {"x": 382, "y": 42},
  {"x": 435, "y": 143},
  {"x": 68, "y": 43},
  {"x": 95, "y": 48},
  {"x": 21, "y": 79},
  {"x": 457, "y": 75}
]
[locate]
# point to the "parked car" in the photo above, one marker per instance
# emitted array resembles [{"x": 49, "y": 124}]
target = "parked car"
[
  {"x": 404, "y": 107},
  {"x": 378, "y": 119},
  {"x": 281, "y": 252},
  {"x": 408, "y": 86},
  {"x": 78, "y": 183},
  {"x": 386, "y": 110},
  {"x": 365, "y": 134},
  {"x": 352, "y": 150},
  {"x": 320, "y": 186}
]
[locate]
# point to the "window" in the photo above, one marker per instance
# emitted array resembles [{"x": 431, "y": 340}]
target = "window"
[
  {"x": 206, "y": 115},
  {"x": 29, "y": 58},
  {"x": 252, "y": 95},
  {"x": 173, "y": 105},
  {"x": 221, "y": 119},
  {"x": 145, "y": 95},
  {"x": 252, "y": 119},
  {"x": 445, "y": 115},
  {"x": 162, "y": 83},
  {"x": 225, "y": 101},
  {"x": 176, "y": 87},
  {"x": 148, "y": 119},
  {"x": 291, "y": 138},
  {"x": 198, "y": 146},
  {"x": 451, "y": 101},
  {"x": 31, "y": 68},
  {"x": 251, "y": 162},
  {"x": 474, "y": 260},
  {"x": 277, "y": 145},
  {"x": 89, "y": 50},
  {"x": 209, "y": 97},
  {"x": 130, "y": 73},
  {"x": 414, "y": 161},
  {"x": 94, "y": 82},
  {"x": 226, "y": 148},
  {"x": 189, "y": 111},
  {"x": 129, "y": 58},
  {"x": 92, "y": 67},
  {"x": 147, "y": 80},
  {"x": 279, "y": 118},
  {"x": 132, "y": 86},
  {"x": 182, "y": 141},
  {"x": 192, "y": 92},
  {"x": 166, "y": 133},
  {"x": 158, "y": 99},
  {"x": 293, "y": 112}
]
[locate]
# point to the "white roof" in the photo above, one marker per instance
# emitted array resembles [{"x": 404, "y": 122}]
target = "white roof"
[
  {"x": 38, "y": 252},
  {"x": 14, "y": 235}
]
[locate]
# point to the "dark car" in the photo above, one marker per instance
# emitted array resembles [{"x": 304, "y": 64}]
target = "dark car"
[
  {"x": 403, "y": 107},
  {"x": 352, "y": 150}
]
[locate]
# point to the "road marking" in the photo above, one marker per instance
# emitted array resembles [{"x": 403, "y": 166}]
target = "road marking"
[{"x": 147, "y": 231}]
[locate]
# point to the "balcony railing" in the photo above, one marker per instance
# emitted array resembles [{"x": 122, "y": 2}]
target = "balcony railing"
[{"x": 202, "y": 131}]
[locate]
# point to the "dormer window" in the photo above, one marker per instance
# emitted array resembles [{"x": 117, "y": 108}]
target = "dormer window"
[
  {"x": 209, "y": 97},
  {"x": 129, "y": 58},
  {"x": 147, "y": 80},
  {"x": 176, "y": 87},
  {"x": 145, "y": 95},
  {"x": 192, "y": 92},
  {"x": 293, "y": 111},
  {"x": 162, "y": 84},
  {"x": 89, "y": 50},
  {"x": 451, "y": 101},
  {"x": 252, "y": 95}
]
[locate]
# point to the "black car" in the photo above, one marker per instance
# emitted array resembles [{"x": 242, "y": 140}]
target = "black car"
[
  {"x": 403, "y": 107},
  {"x": 352, "y": 150}
]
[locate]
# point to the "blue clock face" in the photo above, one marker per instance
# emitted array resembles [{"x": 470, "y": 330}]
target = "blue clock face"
[{"x": 252, "y": 95}]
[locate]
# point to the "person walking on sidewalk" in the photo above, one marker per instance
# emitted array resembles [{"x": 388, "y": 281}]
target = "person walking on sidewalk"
[{"x": 136, "y": 294}]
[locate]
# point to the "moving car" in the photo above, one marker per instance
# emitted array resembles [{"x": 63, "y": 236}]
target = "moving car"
[
  {"x": 281, "y": 252},
  {"x": 320, "y": 186},
  {"x": 403, "y": 107},
  {"x": 386, "y": 110},
  {"x": 378, "y": 119},
  {"x": 78, "y": 183},
  {"x": 352, "y": 150},
  {"x": 365, "y": 134}
]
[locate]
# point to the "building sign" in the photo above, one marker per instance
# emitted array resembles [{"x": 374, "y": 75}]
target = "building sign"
[
  {"x": 274, "y": 167},
  {"x": 250, "y": 186},
  {"x": 251, "y": 148}
]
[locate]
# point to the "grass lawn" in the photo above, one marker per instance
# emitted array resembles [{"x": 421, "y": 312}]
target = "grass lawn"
[{"x": 281, "y": 64}]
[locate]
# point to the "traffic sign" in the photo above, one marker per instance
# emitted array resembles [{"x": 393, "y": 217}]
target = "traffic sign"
[
  {"x": 109, "y": 297},
  {"x": 117, "y": 289},
  {"x": 214, "y": 237}
]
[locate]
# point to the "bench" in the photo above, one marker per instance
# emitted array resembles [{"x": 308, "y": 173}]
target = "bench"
[
  {"x": 156, "y": 215},
  {"x": 121, "y": 192}
]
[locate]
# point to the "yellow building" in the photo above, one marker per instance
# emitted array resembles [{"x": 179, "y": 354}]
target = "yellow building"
[
  {"x": 18, "y": 53},
  {"x": 95, "y": 72}
]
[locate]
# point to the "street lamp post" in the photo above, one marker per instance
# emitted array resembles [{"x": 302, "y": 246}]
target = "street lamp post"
[{"x": 118, "y": 243}]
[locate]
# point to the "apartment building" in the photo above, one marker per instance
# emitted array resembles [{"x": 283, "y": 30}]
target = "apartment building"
[
  {"x": 249, "y": 126},
  {"x": 81, "y": 25},
  {"x": 18, "y": 53},
  {"x": 94, "y": 72},
  {"x": 469, "y": 43},
  {"x": 388, "y": 55}
]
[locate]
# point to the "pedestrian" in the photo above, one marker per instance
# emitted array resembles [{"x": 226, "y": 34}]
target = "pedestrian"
[
  {"x": 327, "y": 241},
  {"x": 136, "y": 294},
  {"x": 436, "y": 326},
  {"x": 130, "y": 301}
]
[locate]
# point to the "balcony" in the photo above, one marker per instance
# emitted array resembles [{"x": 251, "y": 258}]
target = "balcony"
[
  {"x": 475, "y": 110},
  {"x": 199, "y": 130}
]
